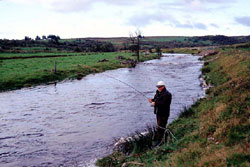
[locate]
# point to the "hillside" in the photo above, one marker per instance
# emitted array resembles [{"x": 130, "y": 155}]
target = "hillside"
[
  {"x": 215, "y": 130},
  {"x": 149, "y": 42},
  {"x": 114, "y": 44}
]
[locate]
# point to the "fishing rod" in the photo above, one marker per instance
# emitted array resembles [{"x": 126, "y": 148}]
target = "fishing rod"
[{"x": 126, "y": 84}]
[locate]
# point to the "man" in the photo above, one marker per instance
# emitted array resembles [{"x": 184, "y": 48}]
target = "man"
[{"x": 161, "y": 103}]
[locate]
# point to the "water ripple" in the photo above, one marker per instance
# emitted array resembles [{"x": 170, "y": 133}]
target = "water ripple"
[{"x": 73, "y": 122}]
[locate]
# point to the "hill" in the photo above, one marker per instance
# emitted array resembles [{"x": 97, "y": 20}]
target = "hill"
[
  {"x": 150, "y": 42},
  {"x": 115, "y": 44}
]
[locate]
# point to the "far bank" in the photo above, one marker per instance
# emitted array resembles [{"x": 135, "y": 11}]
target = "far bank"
[{"x": 33, "y": 70}]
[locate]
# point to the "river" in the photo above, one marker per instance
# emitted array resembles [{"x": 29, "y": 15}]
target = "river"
[{"x": 72, "y": 123}]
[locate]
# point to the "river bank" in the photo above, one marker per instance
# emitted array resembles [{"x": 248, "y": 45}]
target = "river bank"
[
  {"x": 215, "y": 130},
  {"x": 74, "y": 121},
  {"x": 35, "y": 69}
]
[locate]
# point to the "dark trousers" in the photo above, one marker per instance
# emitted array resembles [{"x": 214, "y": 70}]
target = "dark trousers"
[{"x": 161, "y": 122}]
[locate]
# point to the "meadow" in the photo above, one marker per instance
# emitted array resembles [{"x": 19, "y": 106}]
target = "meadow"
[
  {"x": 39, "y": 54},
  {"x": 18, "y": 73}
]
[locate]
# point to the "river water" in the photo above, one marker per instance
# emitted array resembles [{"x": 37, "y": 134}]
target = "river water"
[{"x": 73, "y": 122}]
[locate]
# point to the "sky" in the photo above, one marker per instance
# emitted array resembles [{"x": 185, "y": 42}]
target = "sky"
[{"x": 119, "y": 18}]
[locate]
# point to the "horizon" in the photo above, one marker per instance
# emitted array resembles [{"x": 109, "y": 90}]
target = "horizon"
[
  {"x": 108, "y": 19},
  {"x": 128, "y": 37}
]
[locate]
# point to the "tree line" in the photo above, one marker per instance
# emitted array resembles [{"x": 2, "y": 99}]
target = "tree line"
[{"x": 53, "y": 41}]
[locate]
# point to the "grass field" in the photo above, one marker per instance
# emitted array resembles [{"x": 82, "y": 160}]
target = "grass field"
[
  {"x": 17, "y": 73},
  {"x": 167, "y": 39},
  {"x": 43, "y": 54},
  {"x": 181, "y": 50},
  {"x": 215, "y": 131}
]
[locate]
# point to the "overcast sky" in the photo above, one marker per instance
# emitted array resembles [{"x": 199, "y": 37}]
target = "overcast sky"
[{"x": 115, "y": 18}]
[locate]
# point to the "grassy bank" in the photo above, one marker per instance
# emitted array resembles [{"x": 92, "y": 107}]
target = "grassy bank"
[
  {"x": 215, "y": 131},
  {"x": 181, "y": 50},
  {"x": 18, "y": 73},
  {"x": 40, "y": 54}
]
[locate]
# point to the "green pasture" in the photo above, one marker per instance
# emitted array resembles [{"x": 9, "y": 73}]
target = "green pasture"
[
  {"x": 17, "y": 73},
  {"x": 166, "y": 39},
  {"x": 9, "y": 55},
  {"x": 40, "y": 48}
]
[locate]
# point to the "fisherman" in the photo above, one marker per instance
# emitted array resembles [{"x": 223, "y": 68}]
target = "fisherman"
[{"x": 161, "y": 103}]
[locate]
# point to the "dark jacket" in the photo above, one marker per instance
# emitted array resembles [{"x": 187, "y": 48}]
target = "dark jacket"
[{"x": 162, "y": 102}]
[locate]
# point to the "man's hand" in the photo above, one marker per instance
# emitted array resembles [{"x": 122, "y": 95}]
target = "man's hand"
[
  {"x": 153, "y": 103},
  {"x": 149, "y": 100}
]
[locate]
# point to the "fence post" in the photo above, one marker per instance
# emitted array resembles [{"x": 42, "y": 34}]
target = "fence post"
[{"x": 55, "y": 68}]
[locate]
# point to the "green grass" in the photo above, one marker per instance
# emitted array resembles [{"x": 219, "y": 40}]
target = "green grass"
[
  {"x": 181, "y": 39},
  {"x": 166, "y": 39},
  {"x": 31, "y": 48},
  {"x": 181, "y": 50},
  {"x": 238, "y": 160},
  {"x": 10, "y": 55},
  {"x": 71, "y": 40},
  {"x": 215, "y": 130},
  {"x": 17, "y": 73}
]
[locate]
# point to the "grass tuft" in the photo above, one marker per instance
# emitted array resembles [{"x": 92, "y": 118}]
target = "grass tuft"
[
  {"x": 239, "y": 160},
  {"x": 187, "y": 112}
]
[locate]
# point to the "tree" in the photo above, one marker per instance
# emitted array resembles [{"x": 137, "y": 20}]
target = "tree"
[
  {"x": 38, "y": 38},
  {"x": 44, "y": 37},
  {"x": 158, "y": 51},
  {"x": 26, "y": 38},
  {"x": 135, "y": 39},
  {"x": 54, "y": 39},
  {"x": 107, "y": 47}
]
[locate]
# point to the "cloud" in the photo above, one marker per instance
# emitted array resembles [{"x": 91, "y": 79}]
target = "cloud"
[
  {"x": 200, "y": 26},
  {"x": 214, "y": 25},
  {"x": 198, "y": 2},
  {"x": 211, "y": 1},
  {"x": 73, "y": 5},
  {"x": 245, "y": 20},
  {"x": 83, "y": 5},
  {"x": 185, "y": 25},
  {"x": 69, "y": 6},
  {"x": 190, "y": 25},
  {"x": 144, "y": 19},
  {"x": 196, "y": 5}
]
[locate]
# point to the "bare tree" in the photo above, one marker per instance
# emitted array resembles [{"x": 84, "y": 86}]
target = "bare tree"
[
  {"x": 135, "y": 39},
  {"x": 158, "y": 51}
]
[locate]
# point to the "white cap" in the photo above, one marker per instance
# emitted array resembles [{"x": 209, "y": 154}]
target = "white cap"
[{"x": 160, "y": 83}]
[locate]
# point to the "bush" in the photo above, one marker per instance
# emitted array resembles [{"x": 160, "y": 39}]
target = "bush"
[{"x": 205, "y": 70}]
